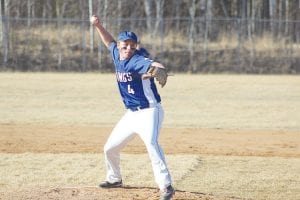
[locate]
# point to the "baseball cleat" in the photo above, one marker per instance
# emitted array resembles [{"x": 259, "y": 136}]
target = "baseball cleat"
[
  {"x": 107, "y": 184},
  {"x": 167, "y": 193}
]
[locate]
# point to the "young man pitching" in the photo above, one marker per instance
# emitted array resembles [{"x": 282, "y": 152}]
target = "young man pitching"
[{"x": 135, "y": 75}]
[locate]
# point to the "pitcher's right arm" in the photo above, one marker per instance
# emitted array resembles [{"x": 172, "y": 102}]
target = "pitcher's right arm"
[{"x": 103, "y": 33}]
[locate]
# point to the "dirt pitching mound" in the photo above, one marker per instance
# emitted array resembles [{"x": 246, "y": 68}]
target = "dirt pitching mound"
[{"x": 124, "y": 193}]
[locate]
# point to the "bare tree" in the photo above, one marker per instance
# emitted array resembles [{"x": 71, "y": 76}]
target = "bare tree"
[
  {"x": 60, "y": 7},
  {"x": 251, "y": 28},
  {"x": 286, "y": 17},
  {"x": 192, "y": 12},
  {"x": 91, "y": 27},
  {"x": 29, "y": 4},
  {"x": 5, "y": 9},
  {"x": 208, "y": 21},
  {"x": 298, "y": 24},
  {"x": 148, "y": 5},
  {"x": 1, "y": 24},
  {"x": 272, "y": 11},
  {"x": 159, "y": 15},
  {"x": 224, "y": 8},
  {"x": 119, "y": 14},
  {"x": 104, "y": 16}
]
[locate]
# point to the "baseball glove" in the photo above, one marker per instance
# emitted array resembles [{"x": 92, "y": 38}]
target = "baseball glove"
[{"x": 160, "y": 74}]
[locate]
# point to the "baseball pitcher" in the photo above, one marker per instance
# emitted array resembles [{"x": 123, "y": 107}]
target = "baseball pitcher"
[{"x": 135, "y": 75}]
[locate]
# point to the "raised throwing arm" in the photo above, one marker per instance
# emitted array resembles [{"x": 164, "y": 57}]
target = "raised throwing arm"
[{"x": 103, "y": 33}]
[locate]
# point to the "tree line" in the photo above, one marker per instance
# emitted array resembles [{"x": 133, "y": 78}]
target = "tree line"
[
  {"x": 196, "y": 23},
  {"x": 283, "y": 10},
  {"x": 264, "y": 9}
]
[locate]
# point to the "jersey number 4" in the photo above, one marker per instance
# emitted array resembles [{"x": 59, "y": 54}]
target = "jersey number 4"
[{"x": 130, "y": 90}]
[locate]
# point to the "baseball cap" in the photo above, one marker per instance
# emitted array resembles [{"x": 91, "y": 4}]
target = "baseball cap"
[{"x": 127, "y": 35}]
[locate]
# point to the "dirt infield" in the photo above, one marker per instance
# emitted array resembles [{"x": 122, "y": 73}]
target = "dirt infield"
[
  {"x": 57, "y": 139},
  {"x": 90, "y": 139},
  {"x": 125, "y": 193}
]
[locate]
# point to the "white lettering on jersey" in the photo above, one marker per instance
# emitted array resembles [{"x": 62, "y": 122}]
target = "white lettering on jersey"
[{"x": 124, "y": 76}]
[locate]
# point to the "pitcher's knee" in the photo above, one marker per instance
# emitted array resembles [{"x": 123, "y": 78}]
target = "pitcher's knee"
[
  {"x": 107, "y": 149},
  {"x": 110, "y": 150}
]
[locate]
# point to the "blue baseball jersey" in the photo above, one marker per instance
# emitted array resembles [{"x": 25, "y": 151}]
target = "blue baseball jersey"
[
  {"x": 142, "y": 51},
  {"x": 135, "y": 92}
]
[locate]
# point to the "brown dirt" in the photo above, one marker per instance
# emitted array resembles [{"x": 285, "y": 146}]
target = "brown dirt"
[
  {"x": 20, "y": 138},
  {"x": 90, "y": 139},
  {"x": 124, "y": 193}
]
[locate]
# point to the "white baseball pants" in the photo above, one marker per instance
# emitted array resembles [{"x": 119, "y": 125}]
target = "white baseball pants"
[{"x": 146, "y": 123}]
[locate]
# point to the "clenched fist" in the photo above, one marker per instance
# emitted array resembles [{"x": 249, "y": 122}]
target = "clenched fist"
[{"x": 94, "y": 20}]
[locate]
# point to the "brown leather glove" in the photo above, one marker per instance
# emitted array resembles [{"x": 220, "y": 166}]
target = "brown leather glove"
[{"x": 160, "y": 74}]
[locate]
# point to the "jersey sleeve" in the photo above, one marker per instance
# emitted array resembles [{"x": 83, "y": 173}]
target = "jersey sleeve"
[
  {"x": 113, "y": 50},
  {"x": 143, "y": 52},
  {"x": 142, "y": 64}
]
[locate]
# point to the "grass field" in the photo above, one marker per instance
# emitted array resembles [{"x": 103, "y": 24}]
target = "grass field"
[
  {"x": 193, "y": 103},
  {"x": 206, "y": 101}
]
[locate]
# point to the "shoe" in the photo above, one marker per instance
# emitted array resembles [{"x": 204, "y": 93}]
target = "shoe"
[
  {"x": 107, "y": 184},
  {"x": 167, "y": 193}
]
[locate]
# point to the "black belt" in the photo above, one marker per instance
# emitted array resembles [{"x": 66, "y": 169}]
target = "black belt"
[{"x": 133, "y": 109}]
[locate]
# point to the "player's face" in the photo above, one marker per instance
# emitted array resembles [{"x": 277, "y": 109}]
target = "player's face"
[{"x": 126, "y": 49}]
